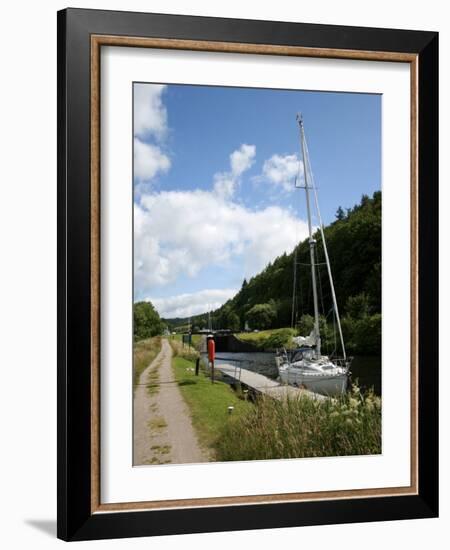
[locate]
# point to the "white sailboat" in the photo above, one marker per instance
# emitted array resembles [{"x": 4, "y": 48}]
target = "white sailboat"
[{"x": 305, "y": 366}]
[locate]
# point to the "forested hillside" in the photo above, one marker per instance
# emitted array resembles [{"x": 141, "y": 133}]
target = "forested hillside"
[{"x": 354, "y": 247}]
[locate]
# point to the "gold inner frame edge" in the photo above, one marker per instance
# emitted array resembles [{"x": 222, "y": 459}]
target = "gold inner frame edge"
[{"x": 97, "y": 41}]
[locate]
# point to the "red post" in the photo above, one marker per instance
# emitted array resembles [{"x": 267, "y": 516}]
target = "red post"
[{"x": 211, "y": 356}]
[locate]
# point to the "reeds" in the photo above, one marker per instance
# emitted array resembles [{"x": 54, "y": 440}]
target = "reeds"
[{"x": 304, "y": 427}]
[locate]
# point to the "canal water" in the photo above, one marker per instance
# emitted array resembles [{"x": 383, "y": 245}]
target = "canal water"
[{"x": 365, "y": 370}]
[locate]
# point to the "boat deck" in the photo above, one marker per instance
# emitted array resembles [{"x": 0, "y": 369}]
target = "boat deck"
[{"x": 261, "y": 384}]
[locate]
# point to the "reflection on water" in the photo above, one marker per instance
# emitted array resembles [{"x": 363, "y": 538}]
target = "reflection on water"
[{"x": 365, "y": 370}]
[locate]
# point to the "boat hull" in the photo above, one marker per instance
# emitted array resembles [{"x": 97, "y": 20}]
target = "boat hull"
[{"x": 331, "y": 385}]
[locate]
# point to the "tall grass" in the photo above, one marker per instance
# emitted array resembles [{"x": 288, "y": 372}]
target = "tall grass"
[
  {"x": 304, "y": 427},
  {"x": 144, "y": 352},
  {"x": 183, "y": 350}
]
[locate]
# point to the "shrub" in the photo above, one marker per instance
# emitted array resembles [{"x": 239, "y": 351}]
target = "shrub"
[{"x": 279, "y": 339}]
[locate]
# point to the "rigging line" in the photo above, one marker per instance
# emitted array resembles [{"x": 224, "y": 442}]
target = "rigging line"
[
  {"x": 322, "y": 303},
  {"x": 294, "y": 285},
  {"x": 301, "y": 296},
  {"x": 334, "y": 329},
  {"x": 294, "y": 312},
  {"x": 334, "y": 332},
  {"x": 320, "y": 288},
  {"x": 308, "y": 295},
  {"x": 333, "y": 293}
]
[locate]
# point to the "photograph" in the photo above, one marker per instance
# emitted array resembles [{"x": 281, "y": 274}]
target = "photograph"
[
  {"x": 247, "y": 273},
  {"x": 257, "y": 274}
]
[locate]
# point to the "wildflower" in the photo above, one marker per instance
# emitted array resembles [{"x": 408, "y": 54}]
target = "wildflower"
[
  {"x": 369, "y": 404},
  {"x": 353, "y": 403}
]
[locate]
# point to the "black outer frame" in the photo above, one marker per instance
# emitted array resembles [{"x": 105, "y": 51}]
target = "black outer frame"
[{"x": 75, "y": 521}]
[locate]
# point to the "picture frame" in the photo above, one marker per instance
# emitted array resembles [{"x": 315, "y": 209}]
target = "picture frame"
[{"x": 81, "y": 35}]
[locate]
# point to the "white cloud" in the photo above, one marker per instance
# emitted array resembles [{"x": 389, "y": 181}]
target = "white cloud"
[
  {"x": 186, "y": 305},
  {"x": 224, "y": 184},
  {"x": 150, "y": 123},
  {"x": 241, "y": 160},
  {"x": 282, "y": 170},
  {"x": 150, "y": 114},
  {"x": 149, "y": 161},
  {"x": 178, "y": 233}
]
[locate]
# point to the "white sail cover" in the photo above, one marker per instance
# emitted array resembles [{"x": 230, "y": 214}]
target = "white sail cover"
[{"x": 305, "y": 340}]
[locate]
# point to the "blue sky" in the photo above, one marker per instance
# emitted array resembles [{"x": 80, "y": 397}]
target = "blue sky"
[{"x": 214, "y": 170}]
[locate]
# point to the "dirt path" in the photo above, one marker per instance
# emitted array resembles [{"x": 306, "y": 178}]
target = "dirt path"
[{"x": 162, "y": 431}]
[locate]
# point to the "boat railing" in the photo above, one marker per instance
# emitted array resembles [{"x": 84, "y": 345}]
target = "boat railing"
[{"x": 343, "y": 362}]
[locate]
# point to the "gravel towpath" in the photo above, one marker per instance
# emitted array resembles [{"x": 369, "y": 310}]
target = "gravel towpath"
[{"x": 162, "y": 430}]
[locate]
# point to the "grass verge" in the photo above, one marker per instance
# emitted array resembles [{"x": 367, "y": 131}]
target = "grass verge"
[
  {"x": 304, "y": 427},
  {"x": 207, "y": 402},
  {"x": 144, "y": 352}
]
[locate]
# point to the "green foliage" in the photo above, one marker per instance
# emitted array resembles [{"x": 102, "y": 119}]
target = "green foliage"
[
  {"x": 233, "y": 322},
  {"x": 147, "y": 322},
  {"x": 279, "y": 339},
  {"x": 304, "y": 427},
  {"x": 340, "y": 214},
  {"x": 226, "y": 318},
  {"x": 269, "y": 339},
  {"x": 358, "y": 306},
  {"x": 305, "y": 324},
  {"x": 363, "y": 335},
  {"x": 261, "y": 316},
  {"x": 367, "y": 335}
]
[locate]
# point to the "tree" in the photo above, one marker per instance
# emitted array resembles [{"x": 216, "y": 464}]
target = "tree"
[
  {"x": 340, "y": 214},
  {"x": 305, "y": 324},
  {"x": 233, "y": 322},
  {"x": 367, "y": 335},
  {"x": 147, "y": 322},
  {"x": 261, "y": 316},
  {"x": 358, "y": 306}
]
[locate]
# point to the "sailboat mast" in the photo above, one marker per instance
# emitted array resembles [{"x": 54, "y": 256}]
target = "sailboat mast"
[
  {"x": 325, "y": 250},
  {"x": 312, "y": 241}
]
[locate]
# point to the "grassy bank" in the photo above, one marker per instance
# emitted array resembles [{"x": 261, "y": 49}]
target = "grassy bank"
[
  {"x": 144, "y": 352},
  {"x": 269, "y": 339},
  {"x": 207, "y": 402},
  {"x": 304, "y": 427}
]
